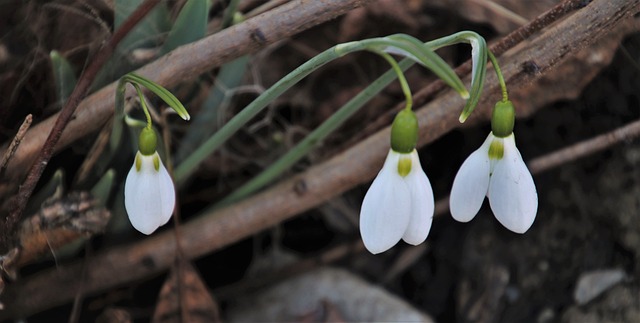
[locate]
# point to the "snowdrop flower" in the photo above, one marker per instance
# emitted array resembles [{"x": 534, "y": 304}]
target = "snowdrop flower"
[
  {"x": 399, "y": 203},
  {"x": 149, "y": 193},
  {"x": 496, "y": 170}
]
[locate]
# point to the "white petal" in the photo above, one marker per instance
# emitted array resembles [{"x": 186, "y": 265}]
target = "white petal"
[
  {"x": 512, "y": 192},
  {"x": 386, "y": 208},
  {"x": 471, "y": 184},
  {"x": 149, "y": 195},
  {"x": 422, "y": 203}
]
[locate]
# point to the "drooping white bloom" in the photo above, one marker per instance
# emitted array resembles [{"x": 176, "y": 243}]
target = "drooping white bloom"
[
  {"x": 398, "y": 205},
  {"x": 496, "y": 170},
  {"x": 149, "y": 193}
]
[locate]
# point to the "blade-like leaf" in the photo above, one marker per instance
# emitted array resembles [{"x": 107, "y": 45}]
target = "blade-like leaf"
[
  {"x": 428, "y": 58},
  {"x": 190, "y": 25},
  {"x": 163, "y": 93},
  {"x": 479, "y": 52},
  {"x": 206, "y": 122},
  {"x": 64, "y": 76},
  {"x": 102, "y": 189}
]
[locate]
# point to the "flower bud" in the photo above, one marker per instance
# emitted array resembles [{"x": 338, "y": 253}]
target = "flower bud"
[
  {"x": 503, "y": 119},
  {"x": 404, "y": 132}
]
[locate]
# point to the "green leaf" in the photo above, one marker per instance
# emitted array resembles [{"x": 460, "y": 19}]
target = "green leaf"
[
  {"x": 148, "y": 31},
  {"x": 102, "y": 189},
  {"x": 190, "y": 25},
  {"x": 206, "y": 122},
  {"x": 64, "y": 76},
  {"x": 161, "y": 92},
  {"x": 428, "y": 58},
  {"x": 479, "y": 52}
]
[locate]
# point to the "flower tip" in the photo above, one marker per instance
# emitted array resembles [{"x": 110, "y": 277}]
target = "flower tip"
[{"x": 374, "y": 250}]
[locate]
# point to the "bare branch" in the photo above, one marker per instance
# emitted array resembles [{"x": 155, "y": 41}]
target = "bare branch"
[
  {"x": 186, "y": 63},
  {"x": 217, "y": 229},
  {"x": 64, "y": 116},
  {"x": 15, "y": 143}
]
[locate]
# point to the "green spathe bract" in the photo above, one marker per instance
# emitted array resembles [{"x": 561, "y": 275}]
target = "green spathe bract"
[
  {"x": 503, "y": 119},
  {"x": 404, "y": 132}
]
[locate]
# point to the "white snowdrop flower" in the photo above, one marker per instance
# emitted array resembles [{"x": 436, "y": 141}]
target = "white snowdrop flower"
[
  {"x": 398, "y": 205},
  {"x": 149, "y": 193},
  {"x": 496, "y": 170}
]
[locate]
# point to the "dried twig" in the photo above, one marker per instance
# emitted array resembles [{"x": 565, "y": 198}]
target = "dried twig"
[
  {"x": 568, "y": 154},
  {"x": 185, "y": 63},
  {"x": 536, "y": 166},
  {"x": 219, "y": 228},
  {"x": 15, "y": 143},
  {"x": 500, "y": 47},
  {"x": 65, "y": 115},
  {"x": 584, "y": 148}
]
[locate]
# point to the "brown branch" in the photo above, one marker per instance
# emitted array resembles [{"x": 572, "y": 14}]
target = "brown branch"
[
  {"x": 187, "y": 62},
  {"x": 500, "y": 47},
  {"x": 217, "y": 229},
  {"x": 536, "y": 166},
  {"x": 15, "y": 143},
  {"x": 585, "y": 148},
  {"x": 568, "y": 154},
  {"x": 65, "y": 115}
]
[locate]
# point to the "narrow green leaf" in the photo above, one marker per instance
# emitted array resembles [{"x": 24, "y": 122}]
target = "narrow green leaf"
[
  {"x": 102, "y": 189},
  {"x": 190, "y": 25},
  {"x": 206, "y": 122},
  {"x": 429, "y": 59},
  {"x": 479, "y": 52},
  {"x": 64, "y": 76},
  {"x": 148, "y": 31},
  {"x": 161, "y": 92},
  {"x": 147, "y": 34}
]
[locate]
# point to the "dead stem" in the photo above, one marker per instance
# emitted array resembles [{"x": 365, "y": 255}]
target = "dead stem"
[
  {"x": 498, "y": 48},
  {"x": 15, "y": 143},
  {"x": 79, "y": 92},
  {"x": 185, "y": 63},
  {"x": 219, "y": 228}
]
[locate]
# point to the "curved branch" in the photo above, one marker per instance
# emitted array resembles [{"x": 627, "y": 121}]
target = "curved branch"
[
  {"x": 217, "y": 229},
  {"x": 185, "y": 63}
]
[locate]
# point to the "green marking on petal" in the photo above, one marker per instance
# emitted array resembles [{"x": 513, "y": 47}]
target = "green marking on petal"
[
  {"x": 496, "y": 149},
  {"x": 156, "y": 162},
  {"x": 404, "y": 166},
  {"x": 138, "y": 162}
]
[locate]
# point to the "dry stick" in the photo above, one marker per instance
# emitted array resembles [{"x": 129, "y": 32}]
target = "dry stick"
[
  {"x": 185, "y": 63},
  {"x": 79, "y": 92},
  {"x": 536, "y": 166},
  {"x": 569, "y": 154},
  {"x": 217, "y": 229},
  {"x": 15, "y": 143},
  {"x": 506, "y": 43},
  {"x": 584, "y": 148}
]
